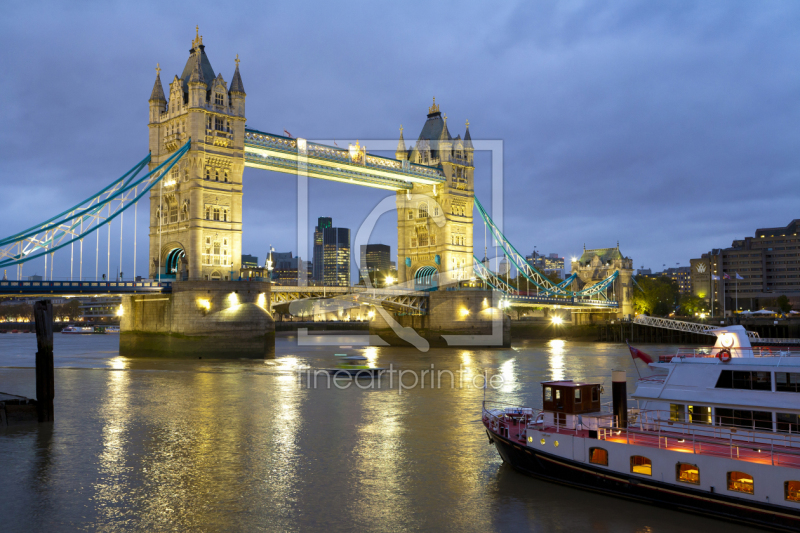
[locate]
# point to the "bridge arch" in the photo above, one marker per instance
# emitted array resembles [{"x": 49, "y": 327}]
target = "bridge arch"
[
  {"x": 426, "y": 277},
  {"x": 172, "y": 262}
]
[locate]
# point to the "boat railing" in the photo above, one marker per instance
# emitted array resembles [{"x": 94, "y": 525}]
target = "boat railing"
[
  {"x": 712, "y": 352},
  {"x": 650, "y": 429}
]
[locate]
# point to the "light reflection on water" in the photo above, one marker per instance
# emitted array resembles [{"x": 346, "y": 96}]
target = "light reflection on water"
[{"x": 246, "y": 445}]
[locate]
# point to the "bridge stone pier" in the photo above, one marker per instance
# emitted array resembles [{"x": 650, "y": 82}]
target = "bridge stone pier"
[
  {"x": 593, "y": 267},
  {"x": 200, "y": 318}
]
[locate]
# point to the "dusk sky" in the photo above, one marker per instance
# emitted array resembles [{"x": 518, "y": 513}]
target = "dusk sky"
[{"x": 671, "y": 127}]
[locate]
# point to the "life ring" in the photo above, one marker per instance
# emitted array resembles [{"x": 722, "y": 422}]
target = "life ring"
[{"x": 724, "y": 355}]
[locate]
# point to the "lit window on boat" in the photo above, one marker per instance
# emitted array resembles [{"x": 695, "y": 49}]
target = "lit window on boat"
[
  {"x": 791, "y": 491},
  {"x": 687, "y": 473},
  {"x": 641, "y": 465},
  {"x": 577, "y": 395},
  {"x": 676, "y": 412},
  {"x": 542, "y": 442},
  {"x": 740, "y": 482},
  {"x": 555, "y": 444},
  {"x": 699, "y": 414},
  {"x": 598, "y": 456},
  {"x": 558, "y": 394},
  {"x": 548, "y": 394}
]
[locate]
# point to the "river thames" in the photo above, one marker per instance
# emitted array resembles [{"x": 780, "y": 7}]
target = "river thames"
[{"x": 247, "y": 445}]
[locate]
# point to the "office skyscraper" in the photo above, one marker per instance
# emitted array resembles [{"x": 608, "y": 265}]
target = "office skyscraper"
[
  {"x": 336, "y": 257},
  {"x": 317, "y": 259}
]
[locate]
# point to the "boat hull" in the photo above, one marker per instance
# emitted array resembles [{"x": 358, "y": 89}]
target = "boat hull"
[{"x": 553, "y": 468}]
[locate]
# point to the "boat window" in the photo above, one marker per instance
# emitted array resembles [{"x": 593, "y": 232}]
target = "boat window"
[
  {"x": 558, "y": 394},
  {"x": 598, "y": 456},
  {"x": 788, "y": 423},
  {"x": 787, "y": 381},
  {"x": 739, "y": 418},
  {"x": 548, "y": 394},
  {"x": 595, "y": 393},
  {"x": 577, "y": 396},
  {"x": 676, "y": 412},
  {"x": 699, "y": 414},
  {"x": 738, "y": 379},
  {"x": 791, "y": 491},
  {"x": 740, "y": 482},
  {"x": 641, "y": 465},
  {"x": 687, "y": 473}
]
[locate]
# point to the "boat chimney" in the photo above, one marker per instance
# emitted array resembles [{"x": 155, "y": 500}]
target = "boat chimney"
[{"x": 619, "y": 394}]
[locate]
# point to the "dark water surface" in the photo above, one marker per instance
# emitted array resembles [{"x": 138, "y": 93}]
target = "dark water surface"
[{"x": 243, "y": 445}]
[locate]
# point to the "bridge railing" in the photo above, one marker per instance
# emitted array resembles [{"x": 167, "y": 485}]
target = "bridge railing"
[{"x": 68, "y": 286}]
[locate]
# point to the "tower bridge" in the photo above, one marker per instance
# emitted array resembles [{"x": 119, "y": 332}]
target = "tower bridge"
[{"x": 199, "y": 146}]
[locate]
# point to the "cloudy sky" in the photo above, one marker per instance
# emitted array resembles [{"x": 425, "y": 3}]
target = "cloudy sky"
[{"x": 671, "y": 127}]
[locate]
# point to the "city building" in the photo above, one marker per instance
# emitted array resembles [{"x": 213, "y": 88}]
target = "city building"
[
  {"x": 285, "y": 268},
  {"x": 336, "y": 257},
  {"x": 35, "y": 277},
  {"x": 547, "y": 264},
  {"x": 249, "y": 261},
  {"x": 767, "y": 264},
  {"x": 682, "y": 276},
  {"x": 317, "y": 258},
  {"x": 375, "y": 262},
  {"x": 101, "y": 309}
]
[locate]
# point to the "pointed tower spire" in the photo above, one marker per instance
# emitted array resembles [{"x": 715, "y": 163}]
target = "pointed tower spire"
[
  {"x": 236, "y": 83},
  {"x": 157, "y": 95},
  {"x": 197, "y": 70},
  {"x": 468, "y": 139},
  {"x": 401, "y": 147}
]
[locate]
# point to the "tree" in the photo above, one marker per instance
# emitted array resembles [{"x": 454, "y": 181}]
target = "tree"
[
  {"x": 658, "y": 296},
  {"x": 69, "y": 310},
  {"x": 783, "y": 303},
  {"x": 691, "y": 304}
]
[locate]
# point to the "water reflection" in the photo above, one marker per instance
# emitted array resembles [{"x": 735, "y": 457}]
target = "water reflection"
[{"x": 556, "y": 349}]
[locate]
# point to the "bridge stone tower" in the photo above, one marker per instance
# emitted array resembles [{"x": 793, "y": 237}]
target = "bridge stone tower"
[
  {"x": 196, "y": 212},
  {"x": 596, "y": 265},
  {"x": 434, "y": 223}
]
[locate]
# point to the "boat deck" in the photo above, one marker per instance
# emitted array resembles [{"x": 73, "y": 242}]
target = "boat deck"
[{"x": 768, "y": 453}]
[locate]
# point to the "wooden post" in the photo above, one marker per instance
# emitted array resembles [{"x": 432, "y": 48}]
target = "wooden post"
[{"x": 45, "y": 385}]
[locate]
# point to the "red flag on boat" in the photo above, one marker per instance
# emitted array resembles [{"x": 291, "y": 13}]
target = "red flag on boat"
[{"x": 636, "y": 353}]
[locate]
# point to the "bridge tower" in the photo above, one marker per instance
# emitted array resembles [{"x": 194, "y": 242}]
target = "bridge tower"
[
  {"x": 196, "y": 212},
  {"x": 434, "y": 224},
  {"x": 596, "y": 265}
]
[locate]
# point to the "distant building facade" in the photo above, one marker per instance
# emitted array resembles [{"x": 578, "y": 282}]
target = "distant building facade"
[
  {"x": 317, "y": 258},
  {"x": 682, "y": 276},
  {"x": 547, "y": 264},
  {"x": 336, "y": 257},
  {"x": 768, "y": 263},
  {"x": 288, "y": 269},
  {"x": 375, "y": 262},
  {"x": 249, "y": 261}
]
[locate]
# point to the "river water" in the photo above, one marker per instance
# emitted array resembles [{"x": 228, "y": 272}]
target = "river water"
[{"x": 244, "y": 445}]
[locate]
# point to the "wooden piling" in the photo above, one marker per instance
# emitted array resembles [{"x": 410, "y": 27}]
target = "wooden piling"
[{"x": 45, "y": 383}]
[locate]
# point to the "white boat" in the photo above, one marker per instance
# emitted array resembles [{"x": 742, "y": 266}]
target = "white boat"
[
  {"x": 77, "y": 330},
  {"x": 715, "y": 432}
]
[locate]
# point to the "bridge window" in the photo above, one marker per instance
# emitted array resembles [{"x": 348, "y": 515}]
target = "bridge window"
[
  {"x": 209, "y": 123},
  {"x": 173, "y": 212},
  {"x": 423, "y": 238},
  {"x": 598, "y": 456},
  {"x": 413, "y": 242},
  {"x": 423, "y": 210},
  {"x": 687, "y": 473},
  {"x": 186, "y": 175},
  {"x": 175, "y": 174},
  {"x": 641, "y": 465},
  {"x": 216, "y": 213},
  {"x": 208, "y": 174},
  {"x": 218, "y": 99},
  {"x": 226, "y": 176},
  {"x": 740, "y": 482},
  {"x": 184, "y": 212},
  {"x": 410, "y": 214},
  {"x": 436, "y": 210},
  {"x": 208, "y": 213},
  {"x": 433, "y": 239},
  {"x": 216, "y": 175},
  {"x": 224, "y": 215}
]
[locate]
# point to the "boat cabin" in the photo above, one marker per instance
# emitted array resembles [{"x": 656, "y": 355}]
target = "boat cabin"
[{"x": 570, "y": 397}]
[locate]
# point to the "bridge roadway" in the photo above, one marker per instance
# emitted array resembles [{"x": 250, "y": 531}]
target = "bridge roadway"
[
  {"x": 285, "y": 154},
  {"x": 398, "y": 298}
]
